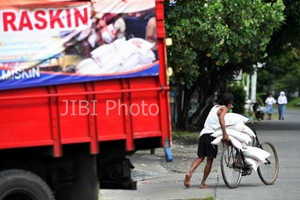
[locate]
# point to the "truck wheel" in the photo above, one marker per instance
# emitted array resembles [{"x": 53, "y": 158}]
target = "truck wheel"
[{"x": 24, "y": 185}]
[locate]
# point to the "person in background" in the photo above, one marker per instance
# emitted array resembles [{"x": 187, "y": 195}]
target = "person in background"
[
  {"x": 205, "y": 148},
  {"x": 282, "y": 101},
  {"x": 109, "y": 27},
  {"x": 270, "y": 102},
  {"x": 151, "y": 34}
]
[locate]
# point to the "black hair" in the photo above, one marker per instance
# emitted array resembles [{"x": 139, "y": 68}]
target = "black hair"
[{"x": 227, "y": 98}]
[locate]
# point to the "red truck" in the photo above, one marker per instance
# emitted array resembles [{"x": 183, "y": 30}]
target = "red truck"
[{"x": 83, "y": 86}]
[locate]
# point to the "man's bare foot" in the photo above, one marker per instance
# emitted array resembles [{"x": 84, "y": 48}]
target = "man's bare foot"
[
  {"x": 187, "y": 180},
  {"x": 204, "y": 186}
]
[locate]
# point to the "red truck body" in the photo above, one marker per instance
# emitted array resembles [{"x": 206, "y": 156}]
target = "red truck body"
[
  {"x": 43, "y": 127},
  {"x": 33, "y": 117}
]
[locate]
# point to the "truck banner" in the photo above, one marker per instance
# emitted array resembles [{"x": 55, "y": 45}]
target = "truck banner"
[{"x": 44, "y": 42}]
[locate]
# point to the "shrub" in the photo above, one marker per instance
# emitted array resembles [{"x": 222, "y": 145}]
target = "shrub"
[{"x": 239, "y": 97}]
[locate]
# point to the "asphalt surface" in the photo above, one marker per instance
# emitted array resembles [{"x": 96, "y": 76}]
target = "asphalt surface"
[{"x": 160, "y": 180}]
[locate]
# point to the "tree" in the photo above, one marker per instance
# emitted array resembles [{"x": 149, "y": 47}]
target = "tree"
[
  {"x": 282, "y": 67},
  {"x": 280, "y": 73},
  {"x": 214, "y": 39}
]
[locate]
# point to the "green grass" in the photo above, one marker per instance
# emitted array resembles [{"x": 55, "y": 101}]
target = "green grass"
[
  {"x": 205, "y": 198},
  {"x": 294, "y": 104},
  {"x": 185, "y": 134}
]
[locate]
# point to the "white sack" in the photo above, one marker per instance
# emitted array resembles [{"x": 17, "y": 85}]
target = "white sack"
[
  {"x": 119, "y": 56},
  {"x": 88, "y": 66},
  {"x": 217, "y": 141},
  {"x": 107, "y": 56},
  {"x": 217, "y": 133},
  {"x": 254, "y": 163},
  {"x": 140, "y": 45},
  {"x": 236, "y": 134},
  {"x": 138, "y": 60},
  {"x": 123, "y": 56},
  {"x": 256, "y": 153},
  {"x": 237, "y": 144},
  {"x": 234, "y": 118},
  {"x": 242, "y": 128}
]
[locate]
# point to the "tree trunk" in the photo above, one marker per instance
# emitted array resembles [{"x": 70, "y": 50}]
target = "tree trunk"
[
  {"x": 207, "y": 90},
  {"x": 183, "y": 104}
]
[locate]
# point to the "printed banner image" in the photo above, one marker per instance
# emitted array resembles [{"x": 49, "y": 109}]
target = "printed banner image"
[{"x": 76, "y": 42}]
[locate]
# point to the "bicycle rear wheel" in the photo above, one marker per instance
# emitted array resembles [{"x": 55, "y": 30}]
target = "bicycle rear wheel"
[
  {"x": 230, "y": 166},
  {"x": 268, "y": 171}
]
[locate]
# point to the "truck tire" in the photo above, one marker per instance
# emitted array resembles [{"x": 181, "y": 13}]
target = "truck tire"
[{"x": 20, "y": 184}]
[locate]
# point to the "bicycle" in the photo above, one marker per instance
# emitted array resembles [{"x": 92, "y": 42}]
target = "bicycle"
[{"x": 233, "y": 165}]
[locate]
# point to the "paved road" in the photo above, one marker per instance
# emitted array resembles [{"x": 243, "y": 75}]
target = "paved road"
[
  {"x": 285, "y": 136},
  {"x": 158, "y": 183}
]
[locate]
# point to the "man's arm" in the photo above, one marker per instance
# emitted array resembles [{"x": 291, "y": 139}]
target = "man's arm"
[{"x": 221, "y": 114}]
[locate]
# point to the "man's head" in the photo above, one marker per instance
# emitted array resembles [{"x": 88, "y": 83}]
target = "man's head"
[{"x": 227, "y": 99}]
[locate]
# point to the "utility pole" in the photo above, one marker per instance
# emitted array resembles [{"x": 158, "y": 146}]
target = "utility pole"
[
  {"x": 254, "y": 81},
  {"x": 253, "y": 84}
]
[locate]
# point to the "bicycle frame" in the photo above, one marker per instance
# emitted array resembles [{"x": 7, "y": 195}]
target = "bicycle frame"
[{"x": 256, "y": 142}]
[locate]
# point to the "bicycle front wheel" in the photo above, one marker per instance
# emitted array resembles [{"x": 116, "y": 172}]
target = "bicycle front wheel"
[
  {"x": 230, "y": 166},
  {"x": 268, "y": 171}
]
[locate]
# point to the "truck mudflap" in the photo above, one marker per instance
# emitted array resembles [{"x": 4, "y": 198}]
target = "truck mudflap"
[
  {"x": 115, "y": 174},
  {"x": 168, "y": 154}
]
